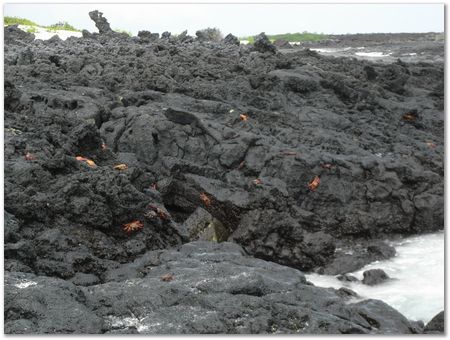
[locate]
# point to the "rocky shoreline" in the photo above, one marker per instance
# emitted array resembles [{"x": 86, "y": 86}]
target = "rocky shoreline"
[{"x": 181, "y": 185}]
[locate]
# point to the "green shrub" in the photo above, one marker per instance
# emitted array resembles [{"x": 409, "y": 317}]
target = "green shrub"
[
  {"x": 32, "y": 29},
  {"x": 18, "y": 21},
  {"x": 62, "y": 26},
  {"x": 291, "y": 37}
]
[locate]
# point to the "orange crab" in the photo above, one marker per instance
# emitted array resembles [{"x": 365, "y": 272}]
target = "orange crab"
[
  {"x": 257, "y": 181},
  {"x": 243, "y": 117},
  {"x": 133, "y": 226},
  {"x": 89, "y": 162},
  {"x": 314, "y": 183},
  {"x": 167, "y": 277},
  {"x": 121, "y": 167},
  {"x": 409, "y": 117},
  {"x": 205, "y": 199}
]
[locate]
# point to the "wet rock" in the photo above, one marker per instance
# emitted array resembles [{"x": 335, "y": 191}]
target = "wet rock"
[
  {"x": 270, "y": 235},
  {"x": 373, "y": 277},
  {"x": 381, "y": 251},
  {"x": 39, "y": 304},
  {"x": 436, "y": 325},
  {"x": 344, "y": 264},
  {"x": 362, "y": 253},
  {"x": 347, "y": 293},
  {"x": 347, "y": 278},
  {"x": 262, "y": 44},
  {"x": 265, "y": 298}
]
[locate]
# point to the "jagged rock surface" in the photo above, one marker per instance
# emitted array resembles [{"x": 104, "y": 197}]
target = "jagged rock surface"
[
  {"x": 230, "y": 129},
  {"x": 209, "y": 288}
]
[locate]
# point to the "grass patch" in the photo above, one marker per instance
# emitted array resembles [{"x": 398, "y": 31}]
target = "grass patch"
[
  {"x": 291, "y": 37},
  {"x": 61, "y": 26},
  {"x": 118, "y": 30},
  {"x": 439, "y": 37},
  {"x": 18, "y": 21},
  {"x": 32, "y": 29}
]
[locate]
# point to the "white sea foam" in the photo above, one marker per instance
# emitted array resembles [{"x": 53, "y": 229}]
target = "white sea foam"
[
  {"x": 25, "y": 284},
  {"x": 372, "y": 54},
  {"x": 417, "y": 288},
  {"x": 331, "y": 50}
]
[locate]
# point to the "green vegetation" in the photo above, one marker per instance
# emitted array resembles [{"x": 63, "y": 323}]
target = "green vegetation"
[
  {"x": 62, "y": 25},
  {"x": 65, "y": 26},
  {"x": 18, "y": 21},
  {"x": 32, "y": 29},
  {"x": 291, "y": 37},
  {"x": 439, "y": 37},
  {"x": 118, "y": 30}
]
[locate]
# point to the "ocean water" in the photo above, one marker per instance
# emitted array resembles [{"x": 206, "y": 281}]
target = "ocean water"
[{"x": 417, "y": 271}]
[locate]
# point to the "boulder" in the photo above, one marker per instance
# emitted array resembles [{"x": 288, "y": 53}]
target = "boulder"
[
  {"x": 262, "y": 44},
  {"x": 381, "y": 251},
  {"x": 436, "y": 324},
  {"x": 347, "y": 278},
  {"x": 373, "y": 277},
  {"x": 231, "y": 40}
]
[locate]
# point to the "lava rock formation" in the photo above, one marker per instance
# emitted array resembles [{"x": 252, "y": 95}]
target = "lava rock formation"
[{"x": 294, "y": 157}]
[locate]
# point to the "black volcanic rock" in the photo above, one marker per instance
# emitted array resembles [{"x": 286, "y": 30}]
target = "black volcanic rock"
[
  {"x": 436, "y": 324},
  {"x": 100, "y": 22},
  {"x": 347, "y": 278},
  {"x": 179, "y": 291},
  {"x": 262, "y": 44},
  {"x": 231, "y": 39},
  {"x": 297, "y": 157},
  {"x": 14, "y": 35},
  {"x": 373, "y": 277},
  {"x": 281, "y": 43}
]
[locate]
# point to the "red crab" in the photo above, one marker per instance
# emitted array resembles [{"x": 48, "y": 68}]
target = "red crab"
[
  {"x": 314, "y": 183},
  {"x": 205, "y": 199},
  {"x": 133, "y": 226}
]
